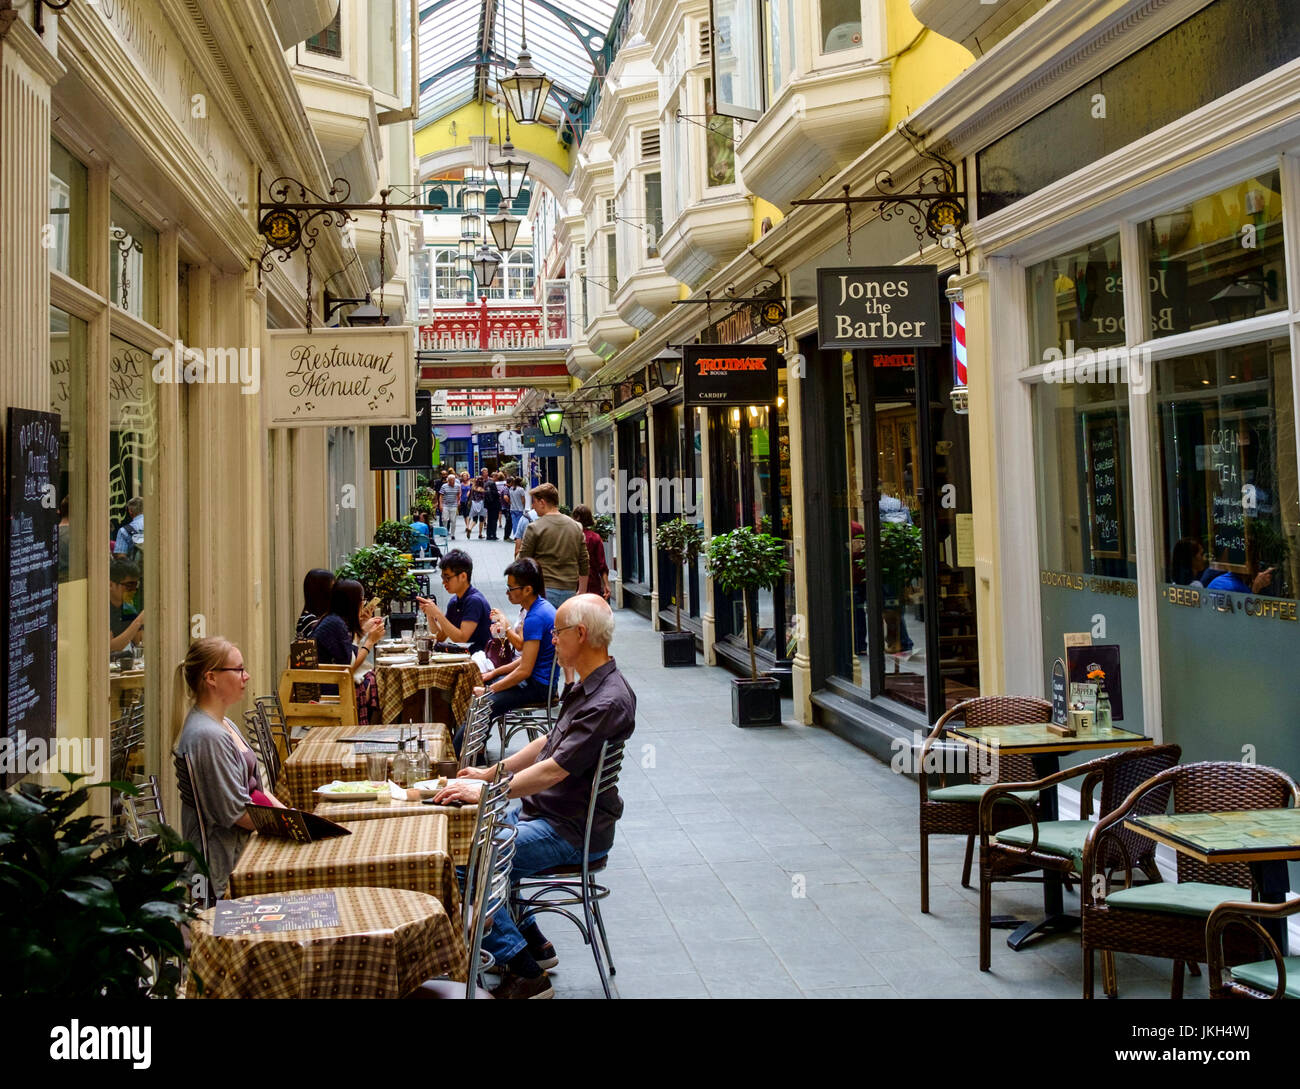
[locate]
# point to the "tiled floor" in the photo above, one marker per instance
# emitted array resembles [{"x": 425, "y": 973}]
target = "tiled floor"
[{"x": 782, "y": 863}]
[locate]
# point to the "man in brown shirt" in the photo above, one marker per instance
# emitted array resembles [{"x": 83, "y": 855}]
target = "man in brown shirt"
[
  {"x": 556, "y": 542},
  {"x": 553, "y": 776}
]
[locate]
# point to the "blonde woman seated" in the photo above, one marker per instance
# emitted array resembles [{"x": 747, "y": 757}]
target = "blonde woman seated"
[{"x": 224, "y": 767}]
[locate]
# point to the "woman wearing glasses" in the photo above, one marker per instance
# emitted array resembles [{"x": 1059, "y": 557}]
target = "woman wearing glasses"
[
  {"x": 527, "y": 679},
  {"x": 224, "y": 767}
]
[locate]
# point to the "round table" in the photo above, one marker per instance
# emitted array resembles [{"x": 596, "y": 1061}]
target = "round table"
[{"x": 387, "y": 943}]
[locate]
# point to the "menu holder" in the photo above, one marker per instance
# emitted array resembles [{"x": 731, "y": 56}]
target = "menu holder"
[
  {"x": 303, "y": 654},
  {"x": 276, "y": 913},
  {"x": 294, "y": 824}
]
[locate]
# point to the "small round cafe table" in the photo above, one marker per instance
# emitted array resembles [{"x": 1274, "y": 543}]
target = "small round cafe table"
[{"x": 387, "y": 942}]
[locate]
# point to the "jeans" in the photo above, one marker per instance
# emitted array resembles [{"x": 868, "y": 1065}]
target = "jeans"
[
  {"x": 517, "y": 519},
  {"x": 538, "y": 847},
  {"x": 530, "y": 691},
  {"x": 559, "y": 597}
]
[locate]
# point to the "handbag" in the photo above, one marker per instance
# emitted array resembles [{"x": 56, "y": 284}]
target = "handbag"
[{"x": 500, "y": 651}]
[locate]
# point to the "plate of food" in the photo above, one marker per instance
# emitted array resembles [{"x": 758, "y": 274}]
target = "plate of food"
[
  {"x": 429, "y": 788},
  {"x": 364, "y": 791}
]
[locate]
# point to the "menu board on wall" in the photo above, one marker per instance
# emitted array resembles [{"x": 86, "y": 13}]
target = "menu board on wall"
[
  {"x": 31, "y": 565},
  {"x": 1105, "y": 510},
  {"x": 1221, "y": 461}
]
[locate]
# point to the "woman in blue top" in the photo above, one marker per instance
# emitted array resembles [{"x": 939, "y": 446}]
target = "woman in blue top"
[{"x": 528, "y": 678}]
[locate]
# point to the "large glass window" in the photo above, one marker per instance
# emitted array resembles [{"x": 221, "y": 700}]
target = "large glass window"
[
  {"x": 133, "y": 263},
  {"x": 611, "y": 264},
  {"x": 329, "y": 42},
  {"x": 1218, "y": 259},
  {"x": 68, "y": 398},
  {"x": 778, "y": 36},
  {"x": 519, "y": 275},
  {"x": 444, "y": 276},
  {"x": 1229, "y": 497},
  {"x": 736, "y": 53},
  {"x": 66, "y": 232},
  {"x": 841, "y": 24},
  {"x": 654, "y": 212},
  {"x": 720, "y": 145},
  {"x": 1076, "y": 301}
]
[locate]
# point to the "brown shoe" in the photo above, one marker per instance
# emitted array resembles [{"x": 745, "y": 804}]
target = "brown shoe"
[{"x": 514, "y": 986}]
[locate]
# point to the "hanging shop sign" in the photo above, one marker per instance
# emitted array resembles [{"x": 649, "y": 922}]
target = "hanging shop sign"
[
  {"x": 31, "y": 568},
  {"x": 405, "y": 446},
  {"x": 542, "y": 445},
  {"x": 730, "y": 374},
  {"x": 341, "y": 376},
  {"x": 880, "y": 307}
]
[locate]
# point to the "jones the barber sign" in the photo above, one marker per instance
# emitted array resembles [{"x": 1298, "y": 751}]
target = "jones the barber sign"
[
  {"x": 730, "y": 374},
  {"x": 888, "y": 307},
  {"x": 341, "y": 376}
]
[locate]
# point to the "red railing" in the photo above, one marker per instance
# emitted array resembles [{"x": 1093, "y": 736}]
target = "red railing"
[{"x": 485, "y": 328}]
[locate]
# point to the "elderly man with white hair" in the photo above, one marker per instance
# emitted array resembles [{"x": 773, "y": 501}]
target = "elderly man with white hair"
[{"x": 553, "y": 776}]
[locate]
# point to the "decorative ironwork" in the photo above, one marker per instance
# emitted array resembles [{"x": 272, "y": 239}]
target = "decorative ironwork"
[
  {"x": 934, "y": 207},
  {"x": 126, "y": 245},
  {"x": 38, "y": 14}
]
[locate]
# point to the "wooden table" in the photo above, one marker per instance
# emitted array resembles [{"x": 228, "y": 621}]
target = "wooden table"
[
  {"x": 1046, "y": 748},
  {"x": 399, "y": 682},
  {"x": 387, "y": 943},
  {"x": 391, "y": 854},
  {"x": 460, "y": 819},
  {"x": 322, "y": 757},
  {"x": 1265, "y": 838}
]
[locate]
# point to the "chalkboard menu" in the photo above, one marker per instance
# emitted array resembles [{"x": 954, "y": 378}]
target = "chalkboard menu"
[
  {"x": 1222, "y": 463},
  {"x": 1105, "y": 511},
  {"x": 31, "y": 564}
]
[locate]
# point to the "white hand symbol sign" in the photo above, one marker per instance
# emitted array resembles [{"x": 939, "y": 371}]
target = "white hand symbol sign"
[{"x": 401, "y": 444}]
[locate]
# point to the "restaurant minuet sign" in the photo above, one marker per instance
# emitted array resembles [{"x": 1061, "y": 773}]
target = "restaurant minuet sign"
[
  {"x": 884, "y": 307},
  {"x": 341, "y": 376}
]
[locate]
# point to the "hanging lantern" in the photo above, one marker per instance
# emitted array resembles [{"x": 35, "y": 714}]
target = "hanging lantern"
[
  {"x": 509, "y": 172},
  {"x": 485, "y": 264},
  {"x": 552, "y": 419},
  {"x": 464, "y": 267},
  {"x": 464, "y": 284},
  {"x": 525, "y": 89},
  {"x": 504, "y": 228},
  {"x": 667, "y": 367},
  {"x": 471, "y": 226},
  {"x": 475, "y": 199}
]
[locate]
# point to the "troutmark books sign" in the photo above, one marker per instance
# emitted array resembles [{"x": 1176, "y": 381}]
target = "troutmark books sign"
[
  {"x": 885, "y": 307},
  {"x": 341, "y": 376},
  {"x": 730, "y": 374}
]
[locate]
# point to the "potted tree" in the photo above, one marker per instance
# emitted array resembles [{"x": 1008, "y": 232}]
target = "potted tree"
[
  {"x": 900, "y": 565},
  {"x": 385, "y": 573},
  {"x": 394, "y": 533},
  {"x": 681, "y": 542},
  {"x": 745, "y": 561}
]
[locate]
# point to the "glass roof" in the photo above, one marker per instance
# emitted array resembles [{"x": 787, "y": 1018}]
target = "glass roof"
[{"x": 460, "y": 38}]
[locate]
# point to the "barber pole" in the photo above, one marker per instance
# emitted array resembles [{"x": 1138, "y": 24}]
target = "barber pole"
[{"x": 958, "y": 395}]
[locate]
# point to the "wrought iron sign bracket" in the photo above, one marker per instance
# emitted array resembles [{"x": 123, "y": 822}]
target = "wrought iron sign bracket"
[{"x": 934, "y": 208}]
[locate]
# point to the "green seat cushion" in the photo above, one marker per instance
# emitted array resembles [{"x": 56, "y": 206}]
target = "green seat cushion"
[
  {"x": 1184, "y": 898},
  {"x": 973, "y": 792},
  {"x": 1064, "y": 838},
  {"x": 1262, "y": 975}
]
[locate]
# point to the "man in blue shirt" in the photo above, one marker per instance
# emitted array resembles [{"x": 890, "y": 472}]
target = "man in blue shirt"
[
  {"x": 527, "y": 679},
  {"x": 468, "y": 615}
]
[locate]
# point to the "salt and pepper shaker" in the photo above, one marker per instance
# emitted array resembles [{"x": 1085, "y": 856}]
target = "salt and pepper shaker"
[{"x": 401, "y": 762}]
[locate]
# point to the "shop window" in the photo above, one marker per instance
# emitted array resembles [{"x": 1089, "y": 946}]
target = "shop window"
[
  {"x": 841, "y": 25},
  {"x": 329, "y": 42},
  {"x": 1218, "y": 259},
  {"x": 1087, "y": 550},
  {"x": 720, "y": 144},
  {"x": 68, "y": 399},
  {"x": 133, "y": 263},
  {"x": 66, "y": 230},
  {"x": 1076, "y": 300}
]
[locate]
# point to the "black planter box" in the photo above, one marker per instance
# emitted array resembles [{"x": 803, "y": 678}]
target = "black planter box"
[
  {"x": 679, "y": 648},
  {"x": 756, "y": 703}
]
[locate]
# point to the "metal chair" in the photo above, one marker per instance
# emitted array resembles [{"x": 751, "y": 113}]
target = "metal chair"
[
  {"x": 273, "y": 712},
  {"x": 1278, "y": 978},
  {"x": 478, "y": 724},
  {"x": 561, "y": 887},
  {"x": 144, "y": 806},
  {"x": 185, "y": 787},
  {"x": 954, "y": 810},
  {"x": 258, "y": 731},
  {"x": 1169, "y": 919},
  {"x": 1056, "y": 847},
  {"x": 126, "y": 735},
  {"x": 533, "y": 719}
]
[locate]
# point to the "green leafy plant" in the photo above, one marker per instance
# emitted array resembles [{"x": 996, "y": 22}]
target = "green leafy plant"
[
  {"x": 424, "y": 500},
  {"x": 899, "y": 555},
  {"x": 566, "y": 511},
  {"x": 396, "y": 534},
  {"x": 383, "y": 571},
  {"x": 681, "y": 542},
  {"x": 604, "y": 525},
  {"x": 746, "y": 561},
  {"x": 83, "y": 913}
]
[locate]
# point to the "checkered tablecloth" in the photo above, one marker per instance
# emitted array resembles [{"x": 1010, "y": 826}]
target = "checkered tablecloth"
[
  {"x": 396, "y": 854},
  {"x": 399, "y": 683},
  {"x": 387, "y": 943},
  {"x": 460, "y": 819},
  {"x": 322, "y": 757}
]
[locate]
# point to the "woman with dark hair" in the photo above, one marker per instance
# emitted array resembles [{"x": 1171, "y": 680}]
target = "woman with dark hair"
[
  {"x": 597, "y": 568},
  {"x": 334, "y": 644},
  {"x": 316, "y": 587},
  {"x": 528, "y": 678}
]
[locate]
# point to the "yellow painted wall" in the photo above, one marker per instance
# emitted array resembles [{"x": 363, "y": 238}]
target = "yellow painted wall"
[
  {"x": 763, "y": 210},
  {"x": 454, "y": 130},
  {"x": 920, "y": 72}
]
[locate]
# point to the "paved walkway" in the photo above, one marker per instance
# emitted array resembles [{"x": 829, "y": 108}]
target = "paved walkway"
[{"x": 782, "y": 863}]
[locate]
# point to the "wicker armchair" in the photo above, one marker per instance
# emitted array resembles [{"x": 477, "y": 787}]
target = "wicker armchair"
[
  {"x": 1276, "y": 978},
  {"x": 1056, "y": 847},
  {"x": 1169, "y": 920},
  {"x": 954, "y": 810}
]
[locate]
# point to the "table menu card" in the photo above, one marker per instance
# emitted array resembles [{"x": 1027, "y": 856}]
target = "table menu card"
[
  {"x": 295, "y": 824},
  {"x": 276, "y": 913}
]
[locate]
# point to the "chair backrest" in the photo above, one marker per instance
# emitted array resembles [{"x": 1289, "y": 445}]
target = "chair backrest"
[
  {"x": 142, "y": 807},
  {"x": 1219, "y": 786},
  {"x": 259, "y": 737},
  {"x": 185, "y": 787},
  {"x": 998, "y": 711},
  {"x": 1124, "y": 772},
  {"x": 604, "y": 778},
  {"x": 491, "y": 893},
  {"x": 339, "y": 710},
  {"x": 492, "y": 803},
  {"x": 273, "y": 712},
  {"x": 478, "y": 725},
  {"x": 126, "y": 735}
]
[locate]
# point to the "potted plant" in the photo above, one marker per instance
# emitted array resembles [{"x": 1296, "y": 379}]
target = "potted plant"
[
  {"x": 899, "y": 556},
  {"x": 396, "y": 534},
  {"x": 85, "y": 914},
  {"x": 383, "y": 571},
  {"x": 681, "y": 542},
  {"x": 604, "y": 526},
  {"x": 745, "y": 561}
]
